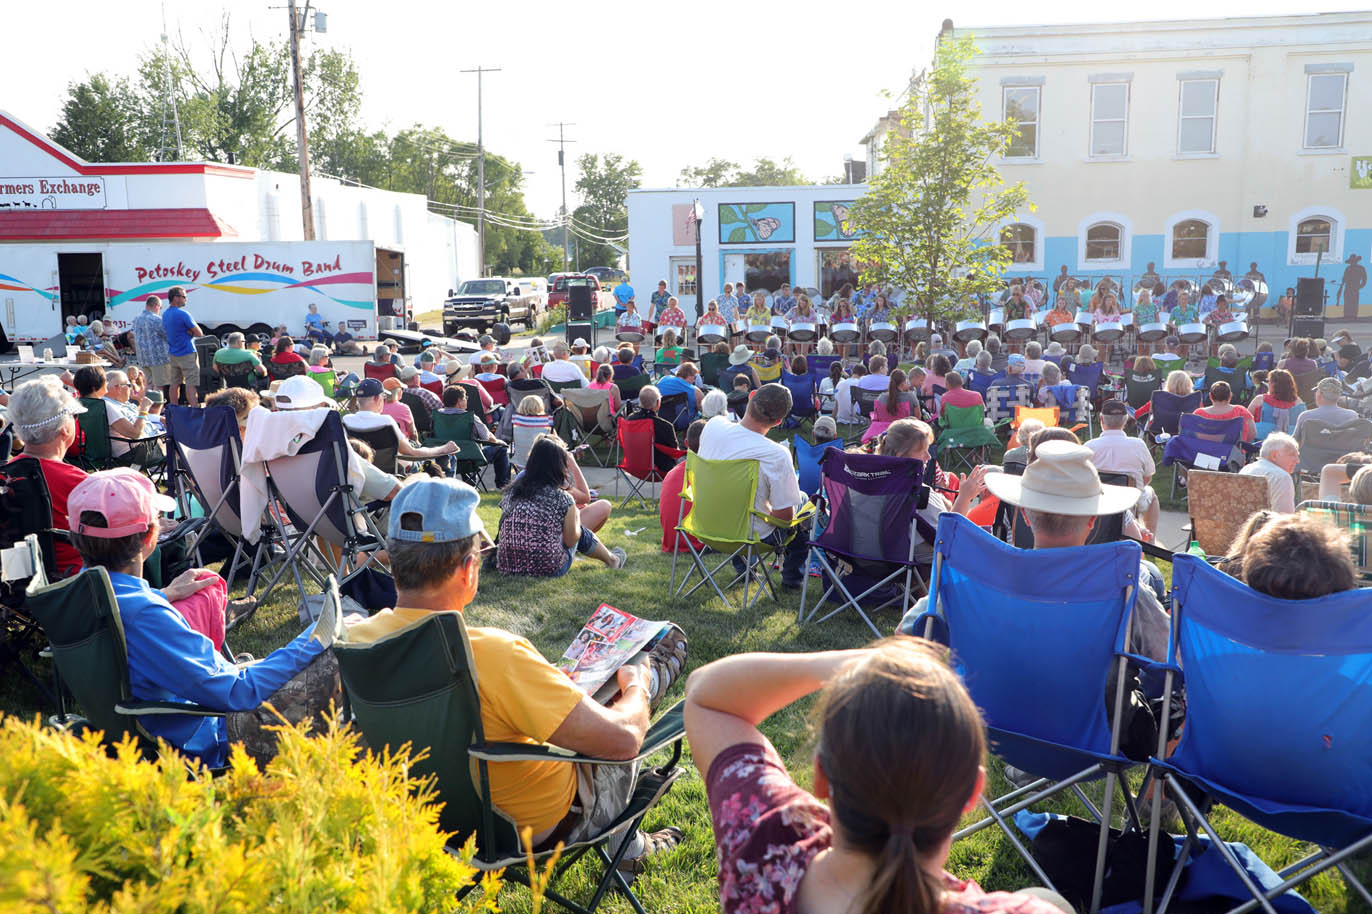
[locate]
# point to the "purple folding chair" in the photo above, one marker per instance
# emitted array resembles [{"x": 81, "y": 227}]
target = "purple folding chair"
[{"x": 870, "y": 505}]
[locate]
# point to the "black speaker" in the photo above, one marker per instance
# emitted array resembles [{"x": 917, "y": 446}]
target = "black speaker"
[
  {"x": 1309, "y": 327},
  {"x": 579, "y": 303},
  {"x": 1309, "y": 295},
  {"x": 583, "y": 329}
]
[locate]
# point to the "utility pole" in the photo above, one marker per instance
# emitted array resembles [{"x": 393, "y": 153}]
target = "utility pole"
[
  {"x": 302, "y": 141},
  {"x": 562, "y": 142},
  {"x": 480, "y": 173}
]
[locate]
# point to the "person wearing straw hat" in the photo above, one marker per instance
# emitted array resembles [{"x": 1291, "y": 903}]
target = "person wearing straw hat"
[{"x": 738, "y": 364}]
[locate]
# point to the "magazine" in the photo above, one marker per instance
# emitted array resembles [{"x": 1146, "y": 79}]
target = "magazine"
[{"x": 608, "y": 640}]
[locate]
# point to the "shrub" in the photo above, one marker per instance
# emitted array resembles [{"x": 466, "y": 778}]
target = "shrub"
[
  {"x": 324, "y": 828},
  {"x": 552, "y": 317}
]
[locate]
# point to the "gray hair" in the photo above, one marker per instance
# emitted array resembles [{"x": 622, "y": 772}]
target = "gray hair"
[
  {"x": 40, "y": 409},
  {"x": 97, "y": 328},
  {"x": 825, "y": 346},
  {"x": 716, "y": 403},
  {"x": 561, "y": 349},
  {"x": 973, "y": 349},
  {"x": 235, "y": 340},
  {"x": 983, "y": 362},
  {"x": 1052, "y": 374},
  {"x": 993, "y": 344},
  {"x": 1275, "y": 442},
  {"x": 601, "y": 354},
  {"x": 115, "y": 376},
  {"x": 649, "y": 397},
  {"x": 318, "y": 355},
  {"x": 773, "y": 342},
  {"x": 1033, "y": 350}
]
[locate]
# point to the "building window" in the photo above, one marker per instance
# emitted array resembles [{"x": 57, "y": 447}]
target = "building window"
[
  {"x": 1314, "y": 235},
  {"x": 684, "y": 274},
  {"x": 1103, "y": 242},
  {"x": 1020, "y": 239},
  {"x": 1196, "y": 127},
  {"x": 1021, "y": 108},
  {"x": 836, "y": 268},
  {"x": 1324, "y": 100},
  {"x": 1190, "y": 240},
  {"x": 1109, "y": 118}
]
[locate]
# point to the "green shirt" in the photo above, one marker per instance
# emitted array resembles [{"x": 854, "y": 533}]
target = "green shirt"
[{"x": 231, "y": 356}]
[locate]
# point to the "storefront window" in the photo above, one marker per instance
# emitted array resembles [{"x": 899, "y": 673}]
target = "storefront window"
[
  {"x": 836, "y": 268},
  {"x": 767, "y": 271},
  {"x": 685, "y": 273}
]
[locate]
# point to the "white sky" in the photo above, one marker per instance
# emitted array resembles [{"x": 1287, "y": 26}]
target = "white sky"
[{"x": 668, "y": 84}]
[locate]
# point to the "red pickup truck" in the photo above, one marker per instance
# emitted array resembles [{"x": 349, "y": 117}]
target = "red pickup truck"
[{"x": 557, "y": 293}]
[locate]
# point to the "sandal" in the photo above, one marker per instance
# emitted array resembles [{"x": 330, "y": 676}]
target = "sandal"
[
  {"x": 667, "y": 661},
  {"x": 663, "y": 839}
]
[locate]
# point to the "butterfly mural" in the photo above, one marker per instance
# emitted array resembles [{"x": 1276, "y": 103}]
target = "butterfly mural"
[
  {"x": 832, "y": 221},
  {"x": 744, "y": 223},
  {"x": 765, "y": 227}
]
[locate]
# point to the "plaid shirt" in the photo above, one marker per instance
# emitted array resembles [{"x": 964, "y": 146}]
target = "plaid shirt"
[
  {"x": 429, "y": 398},
  {"x": 150, "y": 340},
  {"x": 1356, "y": 519}
]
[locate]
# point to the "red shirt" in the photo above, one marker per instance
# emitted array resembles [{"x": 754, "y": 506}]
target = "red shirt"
[
  {"x": 61, "y": 479},
  {"x": 287, "y": 357},
  {"x": 961, "y": 397},
  {"x": 669, "y": 504}
]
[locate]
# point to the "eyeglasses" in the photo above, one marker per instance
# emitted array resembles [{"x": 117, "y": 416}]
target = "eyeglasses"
[{"x": 121, "y": 384}]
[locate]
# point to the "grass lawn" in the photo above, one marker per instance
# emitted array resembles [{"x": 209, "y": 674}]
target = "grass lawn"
[{"x": 550, "y": 612}]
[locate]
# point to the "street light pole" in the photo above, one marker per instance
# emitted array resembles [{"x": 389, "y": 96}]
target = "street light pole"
[
  {"x": 480, "y": 174},
  {"x": 562, "y": 142},
  {"x": 302, "y": 141},
  {"x": 698, "y": 210}
]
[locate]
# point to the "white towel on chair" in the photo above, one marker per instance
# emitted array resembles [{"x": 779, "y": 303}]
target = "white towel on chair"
[{"x": 270, "y": 435}]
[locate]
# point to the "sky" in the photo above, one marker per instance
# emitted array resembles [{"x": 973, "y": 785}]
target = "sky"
[{"x": 669, "y": 85}]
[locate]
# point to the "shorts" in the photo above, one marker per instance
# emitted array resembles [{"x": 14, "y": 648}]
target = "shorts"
[
  {"x": 184, "y": 368},
  {"x": 585, "y": 545},
  {"x": 157, "y": 374}
]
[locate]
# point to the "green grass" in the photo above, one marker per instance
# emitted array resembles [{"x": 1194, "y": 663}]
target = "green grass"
[{"x": 550, "y": 612}]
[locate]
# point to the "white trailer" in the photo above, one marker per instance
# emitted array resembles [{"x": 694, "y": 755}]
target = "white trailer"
[{"x": 250, "y": 286}]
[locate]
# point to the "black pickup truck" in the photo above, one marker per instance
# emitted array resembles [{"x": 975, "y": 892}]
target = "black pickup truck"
[{"x": 490, "y": 305}]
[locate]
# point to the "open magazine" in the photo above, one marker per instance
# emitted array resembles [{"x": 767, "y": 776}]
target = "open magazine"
[{"x": 608, "y": 640}]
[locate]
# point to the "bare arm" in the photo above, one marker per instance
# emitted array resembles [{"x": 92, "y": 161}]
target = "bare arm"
[
  {"x": 728, "y": 699},
  {"x": 1333, "y": 476},
  {"x": 613, "y": 732},
  {"x": 408, "y": 449},
  {"x": 571, "y": 527},
  {"x": 971, "y": 487},
  {"x": 577, "y": 487}
]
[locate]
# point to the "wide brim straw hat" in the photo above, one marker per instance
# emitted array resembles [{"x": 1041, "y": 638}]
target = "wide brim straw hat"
[{"x": 1062, "y": 480}]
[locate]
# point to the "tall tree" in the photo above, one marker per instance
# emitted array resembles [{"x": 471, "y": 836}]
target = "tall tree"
[
  {"x": 604, "y": 184},
  {"x": 765, "y": 172},
  {"x": 927, "y": 221},
  {"x": 101, "y": 122}
]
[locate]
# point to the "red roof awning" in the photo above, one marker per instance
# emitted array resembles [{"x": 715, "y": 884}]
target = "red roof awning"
[{"x": 57, "y": 225}]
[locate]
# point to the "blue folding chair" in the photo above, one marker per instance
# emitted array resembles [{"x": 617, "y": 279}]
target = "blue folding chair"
[
  {"x": 870, "y": 504},
  {"x": 1165, "y": 411},
  {"x": 1278, "y": 708},
  {"x": 1263, "y": 361},
  {"x": 807, "y": 461},
  {"x": 1211, "y": 444},
  {"x": 819, "y": 367},
  {"x": 1074, "y": 405},
  {"x": 802, "y": 388},
  {"x": 1038, "y": 636},
  {"x": 1088, "y": 376},
  {"x": 980, "y": 381}
]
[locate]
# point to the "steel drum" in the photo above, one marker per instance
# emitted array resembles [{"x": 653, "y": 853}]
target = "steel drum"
[
  {"x": 758, "y": 333},
  {"x": 1250, "y": 295},
  {"x": 916, "y": 329},
  {"x": 882, "y": 330},
  {"x": 1127, "y": 319},
  {"x": 1067, "y": 332},
  {"x": 966, "y": 331},
  {"x": 629, "y": 335},
  {"x": 1153, "y": 331},
  {"x": 1232, "y": 332},
  {"x": 802, "y": 332},
  {"x": 779, "y": 326},
  {"x": 741, "y": 326},
  {"x": 712, "y": 333},
  {"x": 1108, "y": 332},
  {"x": 1022, "y": 329},
  {"x": 997, "y": 321},
  {"x": 846, "y": 332},
  {"x": 1191, "y": 333}
]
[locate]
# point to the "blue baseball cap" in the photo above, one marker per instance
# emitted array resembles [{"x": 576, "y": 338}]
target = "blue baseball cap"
[
  {"x": 1015, "y": 359},
  {"x": 446, "y": 508},
  {"x": 370, "y": 387}
]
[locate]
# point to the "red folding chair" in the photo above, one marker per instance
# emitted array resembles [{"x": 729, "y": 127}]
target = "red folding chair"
[
  {"x": 380, "y": 372},
  {"x": 638, "y": 447},
  {"x": 434, "y": 387},
  {"x": 496, "y": 388}
]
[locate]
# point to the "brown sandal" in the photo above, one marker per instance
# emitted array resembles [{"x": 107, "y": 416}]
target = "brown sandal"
[{"x": 664, "y": 839}]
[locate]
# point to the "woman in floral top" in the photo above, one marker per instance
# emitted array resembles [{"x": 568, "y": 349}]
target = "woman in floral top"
[
  {"x": 843, "y": 314},
  {"x": 802, "y": 313},
  {"x": 671, "y": 315},
  {"x": 713, "y": 317},
  {"x": 894, "y": 794},
  {"x": 1184, "y": 312},
  {"x": 1145, "y": 309},
  {"x": 658, "y": 302}
]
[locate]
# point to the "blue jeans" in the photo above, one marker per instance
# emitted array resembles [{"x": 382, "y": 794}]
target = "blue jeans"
[{"x": 585, "y": 545}]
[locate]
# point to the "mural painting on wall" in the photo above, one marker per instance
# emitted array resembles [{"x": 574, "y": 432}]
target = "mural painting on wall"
[
  {"x": 750, "y": 223},
  {"x": 832, "y": 222}
]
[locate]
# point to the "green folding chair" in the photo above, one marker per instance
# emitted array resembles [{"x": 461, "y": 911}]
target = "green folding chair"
[
  {"x": 721, "y": 494},
  {"x": 470, "y": 460},
  {"x": 96, "y": 452},
  {"x": 710, "y": 365},
  {"x": 630, "y": 387},
  {"x": 418, "y": 686},
  {"x": 964, "y": 436}
]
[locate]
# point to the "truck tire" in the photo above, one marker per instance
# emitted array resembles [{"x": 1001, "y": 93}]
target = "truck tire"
[
  {"x": 261, "y": 328},
  {"x": 501, "y": 332}
]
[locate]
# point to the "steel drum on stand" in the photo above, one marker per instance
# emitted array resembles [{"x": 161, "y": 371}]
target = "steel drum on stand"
[
  {"x": 1108, "y": 331},
  {"x": 966, "y": 331},
  {"x": 1232, "y": 331},
  {"x": 802, "y": 332},
  {"x": 1154, "y": 331},
  {"x": 916, "y": 329},
  {"x": 629, "y": 335},
  {"x": 1066, "y": 332},
  {"x": 1022, "y": 329},
  {"x": 710, "y": 334},
  {"x": 845, "y": 332},
  {"x": 758, "y": 333},
  {"x": 882, "y": 330},
  {"x": 1191, "y": 333},
  {"x": 996, "y": 324},
  {"x": 779, "y": 326}
]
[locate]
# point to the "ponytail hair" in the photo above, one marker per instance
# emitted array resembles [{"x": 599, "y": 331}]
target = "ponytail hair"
[
  {"x": 893, "y": 391},
  {"x": 897, "y": 792}
]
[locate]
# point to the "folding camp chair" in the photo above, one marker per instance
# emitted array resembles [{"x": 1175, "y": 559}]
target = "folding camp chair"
[
  {"x": 524, "y": 437},
  {"x": 964, "y": 437},
  {"x": 517, "y": 391},
  {"x": 558, "y": 387},
  {"x": 95, "y": 450},
  {"x": 1004, "y": 400},
  {"x": 1089, "y": 376},
  {"x": 1305, "y": 384},
  {"x": 1048, "y": 415},
  {"x": 423, "y": 416},
  {"x": 1139, "y": 388},
  {"x": 312, "y": 489},
  {"x": 496, "y": 388},
  {"x": 239, "y": 374},
  {"x": 1220, "y": 504},
  {"x": 807, "y": 457},
  {"x": 629, "y": 389},
  {"x": 1165, "y": 411},
  {"x": 865, "y": 402},
  {"x": 25, "y": 514},
  {"x": 587, "y": 419},
  {"x": 803, "y": 406},
  {"x": 1009, "y": 615},
  {"x": 819, "y": 367},
  {"x": 475, "y": 405},
  {"x": 722, "y": 494},
  {"x": 1236, "y": 377},
  {"x": 1277, "y": 418},
  {"x": 1354, "y": 520},
  {"x": 871, "y": 505},
  {"x": 384, "y": 442},
  {"x": 638, "y": 447},
  {"x": 279, "y": 372},
  {"x": 1323, "y": 443},
  {"x": 1206, "y": 443},
  {"x": 380, "y": 372},
  {"x": 1278, "y": 694},
  {"x": 980, "y": 382},
  {"x": 1073, "y": 402},
  {"x": 678, "y": 409},
  {"x": 711, "y": 364},
  {"x": 1263, "y": 361},
  {"x": 204, "y": 462},
  {"x": 418, "y": 686},
  {"x": 470, "y": 460}
]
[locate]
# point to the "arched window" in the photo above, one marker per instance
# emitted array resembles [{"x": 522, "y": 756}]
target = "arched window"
[
  {"x": 1190, "y": 239},
  {"x": 1020, "y": 238},
  {"x": 1103, "y": 241},
  {"x": 1314, "y": 235}
]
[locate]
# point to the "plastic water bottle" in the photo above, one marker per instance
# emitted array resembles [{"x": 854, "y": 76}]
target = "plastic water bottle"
[{"x": 1195, "y": 549}]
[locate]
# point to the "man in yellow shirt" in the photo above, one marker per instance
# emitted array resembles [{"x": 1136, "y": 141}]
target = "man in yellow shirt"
[{"x": 435, "y": 540}]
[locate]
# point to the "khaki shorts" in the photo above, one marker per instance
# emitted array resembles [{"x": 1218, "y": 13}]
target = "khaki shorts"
[
  {"x": 158, "y": 375},
  {"x": 184, "y": 368}
]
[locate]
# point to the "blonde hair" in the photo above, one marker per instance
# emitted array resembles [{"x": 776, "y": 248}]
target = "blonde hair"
[
  {"x": 1179, "y": 384},
  {"x": 532, "y": 405}
]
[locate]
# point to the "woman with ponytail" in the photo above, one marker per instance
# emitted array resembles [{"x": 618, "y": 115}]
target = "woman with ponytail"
[{"x": 898, "y": 760}]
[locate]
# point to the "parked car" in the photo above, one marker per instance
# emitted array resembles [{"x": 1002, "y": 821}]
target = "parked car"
[
  {"x": 557, "y": 295},
  {"x": 608, "y": 276},
  {"x": 490, "y": 305}
]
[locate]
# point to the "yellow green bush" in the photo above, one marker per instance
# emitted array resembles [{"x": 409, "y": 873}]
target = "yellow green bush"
[{"x": 324, "y": 828}]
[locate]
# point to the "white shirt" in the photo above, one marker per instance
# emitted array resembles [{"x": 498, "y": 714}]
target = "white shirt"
[
  {"x": 367, "y": 421},
  {"x": 561, "y": 371},
  {"x": 1116, "y": 452},
  {"x": 475, "y": 357},
  {"x": 114, "y": 411},
  {"x": 843, "y": 401},
  {"x": 776, "y": 478},
  {"x": 1281, "y": 491},
  {"x": 874, "y": 382}
]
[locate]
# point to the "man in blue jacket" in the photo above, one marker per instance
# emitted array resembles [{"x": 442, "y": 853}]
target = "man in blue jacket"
[{"x": 113, "y": 517}]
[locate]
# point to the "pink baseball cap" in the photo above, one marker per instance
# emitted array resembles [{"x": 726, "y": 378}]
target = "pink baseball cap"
[{"x": 127, "y": 500}]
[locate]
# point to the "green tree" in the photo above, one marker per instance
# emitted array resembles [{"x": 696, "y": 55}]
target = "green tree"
[
  {"x": 765, "y": 172},
  {"x": 101, "y": 122},
  {"x": 927, "y": 220},
  {"x": 604, "y": 184},
  {"x": 714, "y": 173}
]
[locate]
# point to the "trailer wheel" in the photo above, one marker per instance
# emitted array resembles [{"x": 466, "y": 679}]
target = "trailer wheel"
[
  {"x": 501, "y": 332},
  {"x": 261, "y": 328}
]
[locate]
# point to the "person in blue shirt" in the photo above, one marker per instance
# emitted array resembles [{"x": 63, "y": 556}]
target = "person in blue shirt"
[
  {"x": 684, "y": 382},
  {"x": 315, "y": 327},
  {"x": 181, "y": 330},
  {"x": 624, "y": 293},
  {"x": 114, "y": 524}
]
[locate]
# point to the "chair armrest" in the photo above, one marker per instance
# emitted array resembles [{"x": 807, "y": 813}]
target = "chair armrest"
[
  {"x": 138, "y": 708},
  {"x": 668, "y": 729},
  {"x": 802, "y": 514},
  {"x": 157, "y": 437}
]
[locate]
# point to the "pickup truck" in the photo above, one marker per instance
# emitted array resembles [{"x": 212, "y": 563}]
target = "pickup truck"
[
  {"x": 490, "y": 305},
  {"x": 557, "y": 293}
]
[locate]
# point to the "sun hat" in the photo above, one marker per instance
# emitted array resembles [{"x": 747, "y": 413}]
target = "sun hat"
[
  {"x": 826, "y": 425},
  {"x": 370, "y": 387},
  {"x": 1062, "y": 480},
  {"x": 446, "y": 509},
  {"x": 409, "y": 371},
  {"x": 935, "y": 338},
  {"x": 580, "y": 342},
  {"x": 154, "y": 396},
  {"x": 740, "y": 355},
  {"x": 127, "y": 500},
  {"x": 1054, "y": 348},
  {"x": 301, "y": 392},
  {"x": 1332, "y": 388}
]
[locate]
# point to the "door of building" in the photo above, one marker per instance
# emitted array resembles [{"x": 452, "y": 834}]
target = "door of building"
[{"x": 81, "y": 282}]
